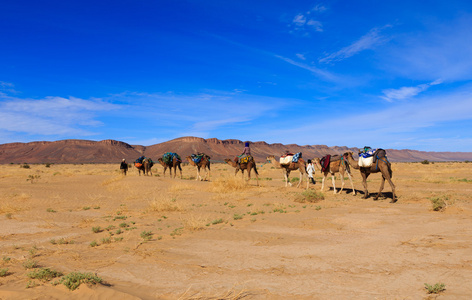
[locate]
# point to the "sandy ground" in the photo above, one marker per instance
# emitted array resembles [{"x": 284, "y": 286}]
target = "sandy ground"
[{"x": 222, "y": 239}]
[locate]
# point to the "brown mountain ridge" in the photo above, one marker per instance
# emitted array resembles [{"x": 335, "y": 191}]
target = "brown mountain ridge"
[{"x": 111, "y": 151}]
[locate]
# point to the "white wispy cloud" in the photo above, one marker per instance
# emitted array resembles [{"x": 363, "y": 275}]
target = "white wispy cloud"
[
  {"x": 406, "y": 124},
  {"x": 304, "y": 22},
  {"x": 51, "y": 115},
  {"x": 369, "y": 41},
  {"x": 321, "y": 73},
  {"x": 407, "y": 92}
]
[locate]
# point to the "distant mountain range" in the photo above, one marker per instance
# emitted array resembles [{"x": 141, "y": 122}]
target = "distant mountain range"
[{"x": 111, "y": 151}]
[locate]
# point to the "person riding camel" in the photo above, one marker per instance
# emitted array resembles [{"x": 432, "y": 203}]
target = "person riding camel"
[{"x": 246, "y": 152}]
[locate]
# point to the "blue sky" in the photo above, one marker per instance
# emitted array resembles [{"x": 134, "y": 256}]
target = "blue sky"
[{"x": 389, "y": 74}]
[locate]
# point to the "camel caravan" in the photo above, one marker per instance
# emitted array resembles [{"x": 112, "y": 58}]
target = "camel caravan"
[{"x": 369, "y": 161}]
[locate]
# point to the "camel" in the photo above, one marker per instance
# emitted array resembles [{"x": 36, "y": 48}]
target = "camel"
[
  {"x": 146, "y": 167},
  {"x": 203, "y": 163},
  {"x": 381, "y": 165},
  {"x": 335, "y": 166},
  {"x": 300, "y": 165},
  {"x": 172, "y": 164},
  {"x": 251, "y": 164}
]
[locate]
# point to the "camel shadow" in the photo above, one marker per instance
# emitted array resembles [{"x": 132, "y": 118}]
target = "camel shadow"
[{"x": 348, "y": 191}]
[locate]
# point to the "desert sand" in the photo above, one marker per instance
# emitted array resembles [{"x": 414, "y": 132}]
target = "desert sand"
[{"x": 150, "y": 237}]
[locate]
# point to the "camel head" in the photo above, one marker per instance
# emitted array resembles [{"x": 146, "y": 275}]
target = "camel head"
[
  {"x": 227, "y": 160},
  {"x": 270, "y": 158}
]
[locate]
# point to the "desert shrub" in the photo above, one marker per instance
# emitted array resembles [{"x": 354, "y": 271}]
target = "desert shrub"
[
  {"x": 146, "y": 235},
  {"x": 25, "y": 166},
  {"x": 425, "y": 162},
  {"x": 435, "y": 289},
  {"x": 30, "y": 264},
  {"x": 73, "y": 280},
  {"x": 161, "y": 204},
  {"x": 309, "y": 196},
  {"x": 96, "y": 229},
  {"x": 47, "y": 165},
  {"x": 33, "y": 178},
  {"x": 295, "y": 179},
  {"x": 439, "y": 203},
  {"x": 3, "y": 272},
  {"x": 44, "y": 274}
]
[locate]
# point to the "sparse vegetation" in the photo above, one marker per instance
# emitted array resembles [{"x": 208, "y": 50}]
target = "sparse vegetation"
[
  {"x": 30, "y": 264},
  {"x": 435, "y": 289},
  {"x": 146, "y": 235},
  {"x": 33, "y": 178},
  {"x": 73, "y": 280},
  {"x": 439, "y": 203},
  {"x": 4, "y": 272},
  {"x": 44, "y": 274},
  {"x": 311, "y": 196}
]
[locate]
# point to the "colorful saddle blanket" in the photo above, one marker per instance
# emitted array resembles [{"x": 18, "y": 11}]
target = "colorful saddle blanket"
[
  {"x": 290, "y": 158},
  {"x": 246, "y": 159},
  {"x": 296, "y": 157},
  {"x": 324, "y": 162},
  {"x": 169, "y": 157},
  {"x": 198, "y": 157}
]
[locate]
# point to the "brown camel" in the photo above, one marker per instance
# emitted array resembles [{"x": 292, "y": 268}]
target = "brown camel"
[
  {"x": 300, "y": 165},
  {"x": 336, "y": 165},
  {"x": 203, "y": 163},
  {"x": 251, "y": 164},
  {"x": 145, "y": 167},
  {"x": 175, "y": 163},
  {"x": 381, "y": 165}
]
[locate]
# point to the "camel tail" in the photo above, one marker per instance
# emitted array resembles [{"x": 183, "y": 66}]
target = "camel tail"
[
  {"x": 255, "y": 169},
  {"x": 180, "y": 168}
]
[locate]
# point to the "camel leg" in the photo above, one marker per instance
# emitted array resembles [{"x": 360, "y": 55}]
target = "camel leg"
[
  {"x": 180, "y": 169},
  {"x": 352, "y": 185},
  {"x": 394, "y": 197},
  {"x": 382, "y": 182},
  {"x": 364, "y": 182},
  {"x": 342, "y": 183},
  {"x": 257, "y": 177},
  {"x": 334, "y": 183},
  {"x": 198, "y": 173},
  {"x": 301, "y": 179},
  {"x": 323, "y": 181}
]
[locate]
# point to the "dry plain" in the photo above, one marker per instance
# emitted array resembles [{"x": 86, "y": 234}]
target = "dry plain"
[{"x": 150, "y": 237}]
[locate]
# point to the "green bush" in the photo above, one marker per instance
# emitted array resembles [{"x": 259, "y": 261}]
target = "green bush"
[
  {"x": 439, "y": 203},
  {"x": 44, "y": 274},
  {"x": 435, "y": 289},
  {"x": 73, "y": 280}
]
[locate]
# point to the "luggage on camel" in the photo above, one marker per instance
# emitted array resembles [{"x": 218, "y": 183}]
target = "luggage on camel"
[
  {"x": 368, "y": 156},
  {"x": 198, "y": 157},
  {"x": 290, "y": 158},
  {"x": 324, "y": 162},
  {"x": 169, "y": 157},
  {"x": 286, "y": 159}
]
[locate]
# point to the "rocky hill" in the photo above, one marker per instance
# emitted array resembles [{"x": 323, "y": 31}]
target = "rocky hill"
[{"x": 111, "y": 151}]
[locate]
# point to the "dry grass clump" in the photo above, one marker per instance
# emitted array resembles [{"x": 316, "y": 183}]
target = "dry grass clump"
[
  {"x": 194, "y": 222},
  {"x": 228, "y": 184},
  {"x": 311, "y": 196},
  {"x": 8, "y": 208},
  {"x": 164, "y": 203}
]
